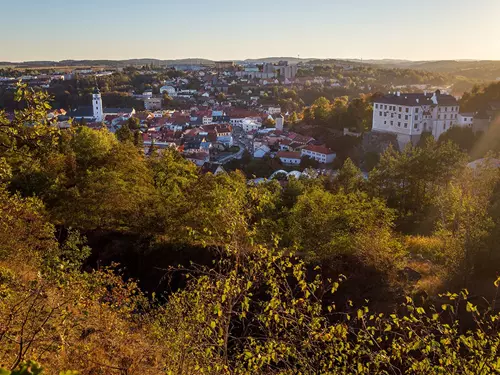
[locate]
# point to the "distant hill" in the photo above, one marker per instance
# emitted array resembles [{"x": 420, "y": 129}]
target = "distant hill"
[
  {"x": 481, "y": 70},
  {"x": 484, "y": 70},
  {"x": 143, "y": 61},
  {"x": 272, "y": 60}
]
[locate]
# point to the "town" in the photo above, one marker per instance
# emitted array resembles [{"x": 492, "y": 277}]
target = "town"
[
  {"x": 249, "y": 188},
  {"x": 229, "y": 114}
]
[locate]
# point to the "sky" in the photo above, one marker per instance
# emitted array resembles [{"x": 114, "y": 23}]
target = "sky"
[{"x": 236, "y": 30}]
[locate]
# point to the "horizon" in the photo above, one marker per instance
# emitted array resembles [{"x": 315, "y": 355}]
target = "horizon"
[
  {"x": 351, "y": 59},
  {"x": 222, "y": 30}
]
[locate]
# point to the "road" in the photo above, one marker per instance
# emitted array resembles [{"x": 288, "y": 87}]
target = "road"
[{"x": 240, "y": 140}]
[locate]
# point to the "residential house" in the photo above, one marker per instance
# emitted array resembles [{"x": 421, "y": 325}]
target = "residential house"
[
  {"x": 198, "y": 158},
  {"x": 465, "y": 119},
  {"x": 260, "y": 151},
  {"x": 321, "y": 154},
  {"x": 152, "y": 104},
  {"x": 289, "y": 158},
  {"x": 169, "y": 90},
  {"x": 213, "y": 168}
]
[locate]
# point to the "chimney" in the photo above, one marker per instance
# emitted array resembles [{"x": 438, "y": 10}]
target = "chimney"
[
  {"x": 417, "y": 101},
  {"x": 398, "y": 93}
]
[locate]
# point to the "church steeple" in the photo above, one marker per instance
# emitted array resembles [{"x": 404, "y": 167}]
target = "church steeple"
[{"x": 97, "y": 105}]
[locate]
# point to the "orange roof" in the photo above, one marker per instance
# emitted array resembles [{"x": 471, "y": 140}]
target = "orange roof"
[
  {"x": 288, "y": 155},
  {"x": 319, "y": 149}
]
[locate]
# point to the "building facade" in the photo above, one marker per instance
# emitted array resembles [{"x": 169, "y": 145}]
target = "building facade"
[
  {"x": 321, "y": 154},
  {"x": 289, "y": 158},
  {"x": 152, "y": 104},
  {"x": 97, "y": 106},
  {"x": 409, "y": 115}
]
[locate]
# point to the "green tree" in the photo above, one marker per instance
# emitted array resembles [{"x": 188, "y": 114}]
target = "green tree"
[
  {"x": 325, "y": 225},
  {"x": 464, "y": 138},
  {"x": 269, "y": 123},
  {"x": 133, "y": 123},
  {"x": 349, "y": 178},
  {"x": 411, "y": 180},
  {"x": 124, "y": 134}
]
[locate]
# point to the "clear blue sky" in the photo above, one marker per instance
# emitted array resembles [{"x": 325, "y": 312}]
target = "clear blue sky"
[{"x": 233, "y": 29}]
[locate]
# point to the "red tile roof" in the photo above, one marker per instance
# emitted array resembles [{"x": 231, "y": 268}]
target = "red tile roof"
[
  {"x": 288, "y": 155},
  {"x": 319, "y": 149}
]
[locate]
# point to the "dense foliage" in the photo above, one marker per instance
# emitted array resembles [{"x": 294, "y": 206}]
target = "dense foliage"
[{"x": 252, "y": 276}]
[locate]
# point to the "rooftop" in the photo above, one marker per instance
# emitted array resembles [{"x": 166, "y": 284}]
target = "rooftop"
[
  {"x": 288, "y": 155},
  {"x": 319, "y": 149},
  {"x": 411, "y": 99}
]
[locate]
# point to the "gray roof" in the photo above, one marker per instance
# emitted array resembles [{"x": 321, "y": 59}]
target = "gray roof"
[
  {"x": 86, "y": 111},
  {"x": 411, "y": 99},
  {"x": 118, "y": 110}
]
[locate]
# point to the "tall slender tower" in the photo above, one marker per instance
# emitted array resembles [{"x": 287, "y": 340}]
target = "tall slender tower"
[{"x": 97, "y": 105}]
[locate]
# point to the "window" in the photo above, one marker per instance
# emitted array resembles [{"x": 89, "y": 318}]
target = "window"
[
  {"x": 416, "y": 118},
  {"x": 399, "y": 124},
  {"x": 399, "y": 117},
  {"x": 392, "y": 115},
  {"x": 406, "y": 117},
  {"x": 416, "y": 110},
  {"x": 376, "y": 106},
  {"x": 406, "y": 124},
  {"x": 380, "y": 113},
  {"x": 439, "y": 117},
  {"x": 400, "y": 109},
  {"x": 392, "y": 123},
  {"x": 407, "y": 110},
  {"x": 385, "y": 107},
  {"x": 415, "y": 126},
  {"x": 385, "y": 122}
]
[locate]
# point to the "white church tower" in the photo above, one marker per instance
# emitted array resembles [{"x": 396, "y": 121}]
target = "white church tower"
[{"x": 97, "y": 105}]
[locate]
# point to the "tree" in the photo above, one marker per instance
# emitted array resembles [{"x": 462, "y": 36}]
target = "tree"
[
  {"x": 324, "y": 225},
  {"x": 134, "y": 123},
  {"x": 221, "y": 97},
  {"x": 464, "y": 222},
  {"x": 308, "y": 162},
  {"x": 411, "y": 180},
  {"x": 464, "y": 138},
  {"x": 138, "y": 141},
  {"x": 321, "y": 110},
  {"x": 124, "y": 134},
  {"x": 293, "y": 118},
  {"x": 349, "y": 178},
  {"x": 269, "y": 123}
]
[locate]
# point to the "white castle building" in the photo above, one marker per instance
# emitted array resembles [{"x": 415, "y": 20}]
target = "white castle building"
[{"x": 409, "y": 115}]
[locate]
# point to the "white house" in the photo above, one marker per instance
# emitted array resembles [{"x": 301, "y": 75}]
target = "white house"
[
  {"x": 321, "y": 154},
  {"x": 170, "y": 90},
  {"x": 261, "y": 151},
  {"x": 198, "y": 158},
  {"x": 273, "y": 110},
  {"x": 465, "y": 119},
  {"x": 408, "y": 115},
  {"x": 249, "y": 125},
  {"x": 289, "y": 158},
  {"x": 152, "y": 104},
  {"x": 207, "y": 120}
]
